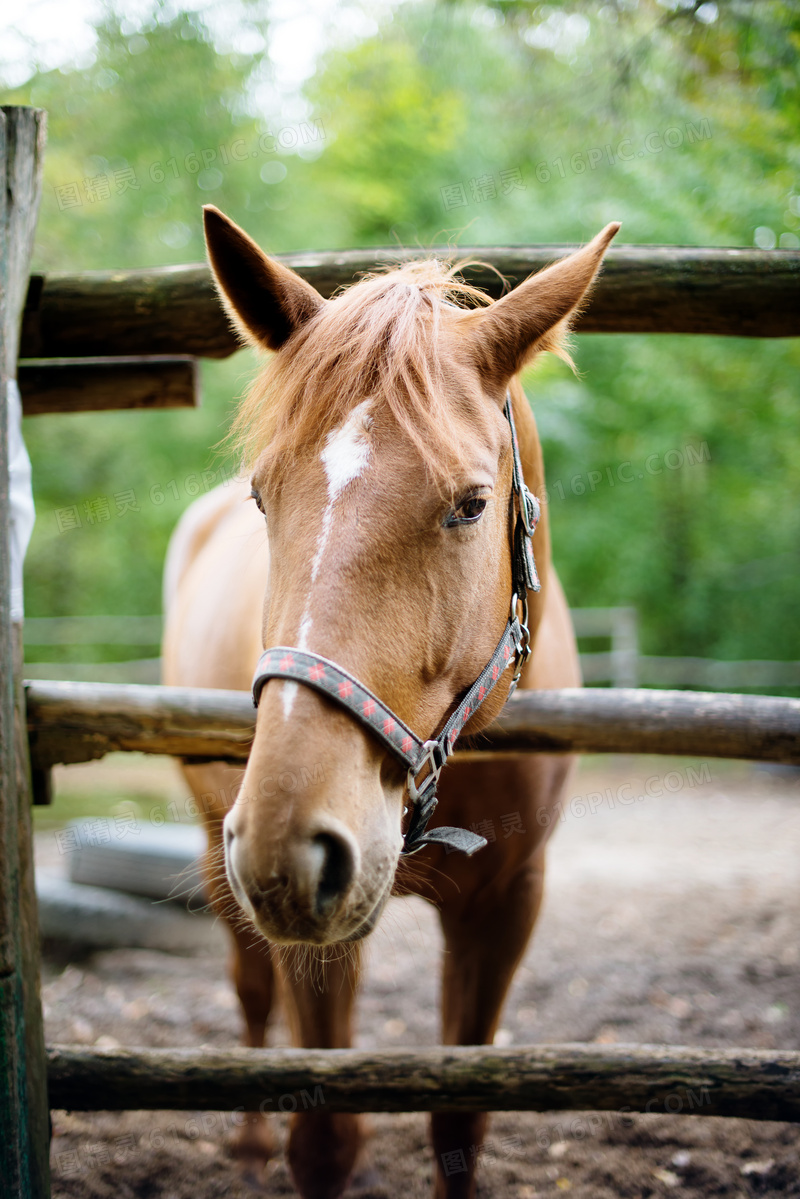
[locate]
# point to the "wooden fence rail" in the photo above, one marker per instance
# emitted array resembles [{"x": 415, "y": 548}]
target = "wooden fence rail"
[
  {"x": 76, "y": 722},
  {"x": 643, "y": 289},
  {"x": 752, "y": 1083},
  {"x": 52, "y": 385}
]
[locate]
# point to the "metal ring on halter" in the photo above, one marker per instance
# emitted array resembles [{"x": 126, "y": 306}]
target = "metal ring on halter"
[
  {"x": 523, "y": 645},
  {"x": 529, "y": 511}
]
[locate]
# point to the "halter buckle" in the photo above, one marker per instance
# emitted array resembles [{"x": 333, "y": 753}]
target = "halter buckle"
[
  {"x": 423, "y": 798},
  {"x": 434, "y": 757}
]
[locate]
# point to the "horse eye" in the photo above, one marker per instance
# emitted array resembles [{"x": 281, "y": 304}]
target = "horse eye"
[
  {"x": 256, "y": 495},
  {"x": 468, "y": 511}
]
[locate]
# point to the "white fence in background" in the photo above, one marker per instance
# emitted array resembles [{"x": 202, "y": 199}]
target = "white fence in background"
[
  {"x": 74, "y": 631},
  {"x": 621, "y": 665}
]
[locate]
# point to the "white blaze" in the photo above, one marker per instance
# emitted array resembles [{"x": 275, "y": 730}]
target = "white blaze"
[
  {"x": 345, "y": 458},
  {"x": 346, "y": 452}
]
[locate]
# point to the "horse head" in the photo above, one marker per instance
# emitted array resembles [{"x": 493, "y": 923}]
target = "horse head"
[{"x": 383, "y": 462}]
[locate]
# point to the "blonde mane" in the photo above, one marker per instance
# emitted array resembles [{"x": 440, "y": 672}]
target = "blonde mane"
[{"x": 377, "y": 338}]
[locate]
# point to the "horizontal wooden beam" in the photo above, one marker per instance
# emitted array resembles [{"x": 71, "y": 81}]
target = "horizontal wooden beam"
[
  {"x": 105, "y": 384},
  {"x": 620, "y": 720},
  {"x": 76, "y": 722},
  {"x": 643, "y": 289},
  {"x": 756, "y": 1084}
]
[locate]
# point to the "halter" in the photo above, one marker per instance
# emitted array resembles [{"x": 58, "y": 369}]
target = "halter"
[{"x": 300, "y": 666}]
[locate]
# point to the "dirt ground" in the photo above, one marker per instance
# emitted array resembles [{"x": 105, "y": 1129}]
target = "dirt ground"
[{"x": 672, "y": 918}]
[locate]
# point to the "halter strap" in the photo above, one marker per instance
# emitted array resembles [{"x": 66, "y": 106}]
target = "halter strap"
[{"x": 418, "y": 756}]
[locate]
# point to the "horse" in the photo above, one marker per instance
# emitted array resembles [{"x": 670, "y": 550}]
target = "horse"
[{"x": 377, "y": 538}]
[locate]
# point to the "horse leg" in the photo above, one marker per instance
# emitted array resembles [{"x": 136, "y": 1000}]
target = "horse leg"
[
  {"x": 253, "y": 976},
  {"x": 250, "y": 963},
  {"x": 485, "y": 938},
  {"x": 319, "y": 993}
]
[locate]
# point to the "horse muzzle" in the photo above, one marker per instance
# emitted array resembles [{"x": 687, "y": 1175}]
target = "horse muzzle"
[{"x": 311, "y": 886}]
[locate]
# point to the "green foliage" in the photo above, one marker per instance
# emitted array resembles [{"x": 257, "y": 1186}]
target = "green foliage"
[
  {"x": 126, "y": 476},
  {"x": 391, "y": 135},
  {"x": 133, "y": 135},
  {"x": 679, "y": 491},
  {"x": 542, "y": 123}
]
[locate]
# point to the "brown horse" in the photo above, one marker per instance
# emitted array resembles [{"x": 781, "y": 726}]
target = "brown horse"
[{"x": 383, "y": 462}]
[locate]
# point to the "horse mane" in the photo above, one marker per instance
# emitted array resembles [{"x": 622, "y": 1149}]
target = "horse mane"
[{"x": 378, "y": 337}]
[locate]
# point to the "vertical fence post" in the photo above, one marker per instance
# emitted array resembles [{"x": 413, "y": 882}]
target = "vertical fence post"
[
  {"x": 24, "y": 1132},
  {"x": 625, "y": 647}
]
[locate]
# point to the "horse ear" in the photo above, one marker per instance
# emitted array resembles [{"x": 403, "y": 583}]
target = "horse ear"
[
  {"x": 535, "y": 315},
  {"x": 265, "y": 300}
]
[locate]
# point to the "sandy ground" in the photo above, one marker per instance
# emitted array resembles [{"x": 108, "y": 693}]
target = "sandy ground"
[{"x": 673, "y": 918}]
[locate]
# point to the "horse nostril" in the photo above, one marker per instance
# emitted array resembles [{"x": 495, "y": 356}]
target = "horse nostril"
[{"x": 336, "y": 871}]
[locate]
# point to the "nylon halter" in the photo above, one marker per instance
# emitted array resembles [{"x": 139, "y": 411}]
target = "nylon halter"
[{"x": 425, "y": 760}]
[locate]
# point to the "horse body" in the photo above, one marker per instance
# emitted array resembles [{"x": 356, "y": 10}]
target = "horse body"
[{"x": 374, "y": 567}]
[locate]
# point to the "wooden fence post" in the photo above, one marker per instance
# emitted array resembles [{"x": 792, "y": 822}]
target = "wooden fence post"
[{"x": 24, "y": 1117}]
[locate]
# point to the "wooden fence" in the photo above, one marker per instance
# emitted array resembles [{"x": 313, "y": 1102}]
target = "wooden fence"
[
  {"x": 753, "y": 1083},
  {"x": 71, "y": 321},
  {"x": 78, "y": 722}
]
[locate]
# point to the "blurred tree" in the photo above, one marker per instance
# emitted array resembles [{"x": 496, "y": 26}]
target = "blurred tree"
[{"x": 673, "y": 462}]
